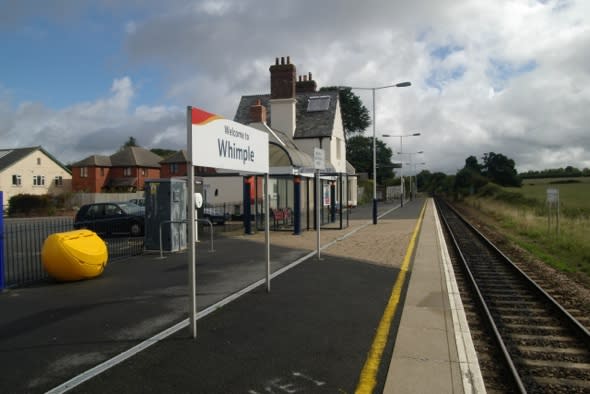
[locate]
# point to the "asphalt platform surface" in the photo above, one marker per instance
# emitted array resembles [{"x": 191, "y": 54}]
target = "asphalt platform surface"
[{"x": 311, "y": 334}]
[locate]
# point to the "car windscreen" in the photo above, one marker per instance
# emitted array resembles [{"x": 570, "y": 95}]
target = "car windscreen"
[{"x": 132, "y": 209}]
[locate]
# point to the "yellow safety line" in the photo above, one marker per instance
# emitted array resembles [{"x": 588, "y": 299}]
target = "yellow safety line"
[{"x": 368, "y": 378}]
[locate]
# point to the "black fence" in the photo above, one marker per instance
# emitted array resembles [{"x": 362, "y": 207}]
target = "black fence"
[{"x": 24, "y": 238}]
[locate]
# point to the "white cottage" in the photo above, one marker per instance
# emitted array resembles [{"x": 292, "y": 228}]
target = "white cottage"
[
  {"x": 298, "y": 119},
  {"x": 32, "y": 171}
]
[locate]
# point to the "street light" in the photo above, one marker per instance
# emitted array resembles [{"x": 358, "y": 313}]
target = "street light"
[
  {"x": 397, "y": 85},
  {"x": 412, "y": 168},
  {"x": 401, "y": 148}
]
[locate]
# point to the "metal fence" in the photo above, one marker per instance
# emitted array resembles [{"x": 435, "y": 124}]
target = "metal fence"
[{"x": 24, "y": 238}]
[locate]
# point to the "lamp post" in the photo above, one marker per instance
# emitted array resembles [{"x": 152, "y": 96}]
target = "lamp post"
[
  {"x": 397, "y": 85},
  {"x": 401, "y": 148},
  {"x": 412, "y": 168}
]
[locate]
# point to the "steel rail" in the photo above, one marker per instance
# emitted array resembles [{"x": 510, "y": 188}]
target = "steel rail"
[{"x": 489, "y": 319}]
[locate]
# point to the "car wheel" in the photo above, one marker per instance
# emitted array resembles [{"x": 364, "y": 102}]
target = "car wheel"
[{"x": 135, "y": 229}]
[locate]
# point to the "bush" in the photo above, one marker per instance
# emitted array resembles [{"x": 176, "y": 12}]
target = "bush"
[{"x": 29, "y": 204}]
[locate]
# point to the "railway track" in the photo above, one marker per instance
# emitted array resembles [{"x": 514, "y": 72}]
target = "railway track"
[{"x": 532, "y": 343}]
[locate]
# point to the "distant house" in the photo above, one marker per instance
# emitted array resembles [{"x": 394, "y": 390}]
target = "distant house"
[
  {"x": 124, "y": 171},
  {"x": 175, "y": 166},
  {"x": 32, "y": 171}
]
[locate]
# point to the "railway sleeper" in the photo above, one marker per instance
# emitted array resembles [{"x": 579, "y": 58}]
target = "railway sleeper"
[{"x": 567, "y": 385}]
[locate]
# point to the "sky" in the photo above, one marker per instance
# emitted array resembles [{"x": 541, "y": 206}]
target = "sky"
[{"x": 504, "y": 76}]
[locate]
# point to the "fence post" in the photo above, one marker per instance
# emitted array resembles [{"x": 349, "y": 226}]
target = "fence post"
[{"x": 2, "y": 282}]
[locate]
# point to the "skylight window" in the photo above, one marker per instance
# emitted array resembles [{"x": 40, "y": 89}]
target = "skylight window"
[{"x": 318, "y": 103}]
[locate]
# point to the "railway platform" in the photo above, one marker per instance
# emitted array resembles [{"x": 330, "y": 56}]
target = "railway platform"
[
  {"x": 433, "y": 349},
  {"x": 379, "y": 312}
]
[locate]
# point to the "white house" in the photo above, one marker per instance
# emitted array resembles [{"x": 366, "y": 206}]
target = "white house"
[
  {"x": 298, "y": 119},
  {"x": 32, "y": 171}
]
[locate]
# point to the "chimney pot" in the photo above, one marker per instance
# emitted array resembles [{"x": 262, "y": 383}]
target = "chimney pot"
[
  {"x": 282, "y": 60},
  {"x": 277, "y": 61},
  {"x": 288, "y": 59},
  {"x": 310, "y": 76}
]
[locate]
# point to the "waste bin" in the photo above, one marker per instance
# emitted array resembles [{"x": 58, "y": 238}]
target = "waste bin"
[{"x": 74, "y": 255}]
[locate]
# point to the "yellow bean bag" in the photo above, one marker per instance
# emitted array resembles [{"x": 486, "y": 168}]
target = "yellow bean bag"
[{"x": 74, "y": 255}]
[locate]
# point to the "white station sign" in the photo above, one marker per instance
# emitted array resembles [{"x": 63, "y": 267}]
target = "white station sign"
[{"x": 222, "y": 143}]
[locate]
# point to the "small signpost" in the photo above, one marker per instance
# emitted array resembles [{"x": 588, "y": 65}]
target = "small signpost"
[
  {"x": 220, "y": 143},
  {"x": 553, "y": 210},
  {"x": 319, "y": 163}
]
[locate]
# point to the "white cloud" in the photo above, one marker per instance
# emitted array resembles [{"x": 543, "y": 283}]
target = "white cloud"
[
  {"x": 509, "y": 76},
  {"x": 97, "y": 127}
]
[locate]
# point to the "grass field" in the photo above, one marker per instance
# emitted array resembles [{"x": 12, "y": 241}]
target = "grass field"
[
  {"x": 571, "y": 195},
  {"x": 527, "y": 225}
]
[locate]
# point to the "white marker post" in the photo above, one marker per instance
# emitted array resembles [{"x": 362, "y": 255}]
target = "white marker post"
[
  {"x": 319, "y": 163},
  {"x": 220, "y": 143}
]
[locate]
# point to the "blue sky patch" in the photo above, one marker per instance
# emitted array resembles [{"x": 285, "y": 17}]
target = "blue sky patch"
[
  {"x": 501, "y": 71},
  {"x": 440, "y": 77},
  {"x": 444, "y": 51}
]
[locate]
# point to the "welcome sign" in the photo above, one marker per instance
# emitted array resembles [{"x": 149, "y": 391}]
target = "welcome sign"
[{"x": 222, "y": 143}]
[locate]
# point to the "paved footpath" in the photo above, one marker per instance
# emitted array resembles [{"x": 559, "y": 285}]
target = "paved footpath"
[{"x": 328, "y": 326}]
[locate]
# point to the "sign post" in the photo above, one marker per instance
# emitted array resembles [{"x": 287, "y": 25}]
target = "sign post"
[
  {"x": 319, "y": 163},
  {"x": 553, "y": 206},
  {"x": 220, "y": 143}
]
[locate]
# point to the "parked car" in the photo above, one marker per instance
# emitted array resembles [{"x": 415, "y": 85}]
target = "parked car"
[
  {"x": 138, "y": 201},
  {"x": 216, "y": 215},
  {"x": 112, "y": 218}
]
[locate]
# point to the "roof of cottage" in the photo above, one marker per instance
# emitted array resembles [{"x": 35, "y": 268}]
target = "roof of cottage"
[
  {"x": 10, "y": 156},
  {"x": 315, "y": 112}
]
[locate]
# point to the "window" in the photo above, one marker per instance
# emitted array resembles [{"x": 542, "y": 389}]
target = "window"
[
  {"x": 16, "y": 181},
  {"x": 83, "y": 172},
  {"x": 143, "y": 172},
  {"x": 38, "y": 180},
  {"x": 58, "y": 181},
  {"x": 318, "y": 103},
  {"x": 127, "y": 171},
  {"x": 38, "y": 161},
  {"x": 173, "y": 168},
  {"x": 101, "y": 171}
]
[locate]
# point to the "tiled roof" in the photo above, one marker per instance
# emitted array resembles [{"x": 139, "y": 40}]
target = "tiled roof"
[
  {"x": 179, "y": 157},
  {"x": 308, "y": 124},
  {"x": 131, "y": 156},
  {"x": 94, "y": 161},
  {"x": 10, "y": 156},
  {"x": 134, "y": 156}
]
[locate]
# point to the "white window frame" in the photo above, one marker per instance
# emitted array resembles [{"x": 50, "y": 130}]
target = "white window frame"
[
  {"x": 83, "y": 172},
  {"x": 127, "y": 171},
  {"x": 16, "y": 180},
  {"x": 58, "y": 181},
  {"x": 38, "y": 180}
]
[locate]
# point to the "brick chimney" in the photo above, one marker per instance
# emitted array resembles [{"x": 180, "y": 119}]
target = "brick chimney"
[
  {"x": 305, "y": 84},
  {"x": 282, "y": 96},
  {"x": 258, "y": 113},
  {"x": 282, "y": 79}
]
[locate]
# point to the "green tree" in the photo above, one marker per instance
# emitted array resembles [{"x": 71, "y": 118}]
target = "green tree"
[
  {"x": 359, "y": 152},
  {"x": 129, "y": 143},
  {"x": 500, "y": 169},
  {"x": 472, "y": 164},
  {"x": 355, "y": 116}
]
